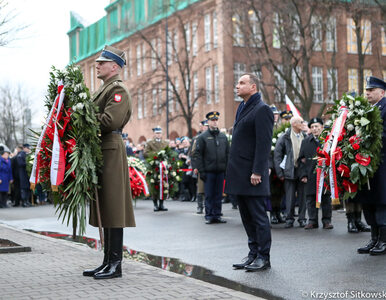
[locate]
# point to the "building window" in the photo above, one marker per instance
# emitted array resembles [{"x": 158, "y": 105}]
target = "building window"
[
  {"x": 238, "y": 37},
  {"x": 331, "y": 37},
  {"x": 216, "y": 84},
  {"x": 143, "y": 58},
  {"x": 92, "y": 79},
  {"x": 317, "y": 83},
  {"x": 155, "y": 101},
  {"x": 144, "y": 104},
  {"x": 175, "y": 44},
  {"x": 332, "y": 84},
  {"x": 160, "y": 101},
  {"x": 207, "y": 32},
  {"x": 280, "y": 85},
  {"x": 169, "y": 48},
  {"x": 195, "y": 88},
  {"x": 187, "y": 37},
  {"x": 352, "y": 38},
  {"x": 366, "y": 73},
  {"x": 352, "y": 80},
  {"x": 215, "y": 34},
  {"x": 208, "y": 85},
  {"x": 295, "y": 32},
  {"x": 316, "y": 33},
  {"x": 256, "y": 38},
  {"x": 170, "y": 97},
  {"x": 139, "y": 61},
  {"x": 194, "y": 38},
  {"x": 276, "y": 31},
  {"x": 238, "y": 70},
  {"x": 139, "y": 104},
  {"x": 383, "y": 41},
  {"x": 153, "y": 54}
]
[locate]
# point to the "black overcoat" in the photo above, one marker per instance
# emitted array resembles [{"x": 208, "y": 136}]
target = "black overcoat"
[
  {"x": 377, "y": 194},
  {"x": 307, "y": 163},
  {"x": 250, "y": 149}
]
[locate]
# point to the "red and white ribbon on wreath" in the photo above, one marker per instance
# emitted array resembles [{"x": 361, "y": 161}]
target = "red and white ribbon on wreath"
[
  {"x": 327, "y": 157},
  {"x": 143, "y": 180},
  {"x": 34, "y": 178},
  {"x": 58, "y": 160},
  {"x": 162, "y": 171}
]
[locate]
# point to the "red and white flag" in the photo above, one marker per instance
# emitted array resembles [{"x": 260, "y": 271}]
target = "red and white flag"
[{"x": 290, "y": 106}]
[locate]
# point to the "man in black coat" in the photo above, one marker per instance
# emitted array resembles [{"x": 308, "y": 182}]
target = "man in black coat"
[
  {"x": 307, "y": 175},
  {"x": 247, "y": 173},
  {"x": 374, "y": 201},
  {"x": 210, "y": 158},
  {"x": 23, "y": 175}
]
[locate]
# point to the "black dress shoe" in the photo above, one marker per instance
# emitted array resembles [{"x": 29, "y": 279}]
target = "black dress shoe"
[
  {"x": 259, "y": 264},
  {"x": 90, "y": 273},
  {"x": 245, "y": 262},
  {"x": 111, "y": 270},
  {"x": 366, "y": 249},
  {"x": 288, "y": 225},
  {"x": 274, "y": 220},
  {"x": 302, "y": 223},
  {"x": 220, "y": 221},
  {"x": 209, "y": 222}
]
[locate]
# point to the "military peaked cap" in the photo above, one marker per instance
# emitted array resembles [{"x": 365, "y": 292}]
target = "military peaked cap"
[
  {"x": 315, "y": 120},
  {"x": 213, "y": 115},
  {"x": 374, "y": 82},
  {"x": 112, "y": 54}
]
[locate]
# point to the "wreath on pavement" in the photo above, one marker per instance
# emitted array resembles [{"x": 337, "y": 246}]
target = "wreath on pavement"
[
  {"x": 163, "y": 173},
  {"x": 350, "y": 151},
  {"x": 137, "y": 169},
  {"x": 277, "y": 185},
  {"x": 67, "y": 150}
]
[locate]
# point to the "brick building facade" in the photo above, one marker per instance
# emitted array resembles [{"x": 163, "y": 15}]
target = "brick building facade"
[{"x": 207, "y": 41}]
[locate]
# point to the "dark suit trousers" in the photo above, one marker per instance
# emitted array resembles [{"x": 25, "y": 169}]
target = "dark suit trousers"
[
  {"x": 313, "y": 211},
  {"x": 375, "y": 215},
  {"x": 213, "y": 195},
  {"x": 293, "y": 188},
  {"x": 256, "y": 223}
]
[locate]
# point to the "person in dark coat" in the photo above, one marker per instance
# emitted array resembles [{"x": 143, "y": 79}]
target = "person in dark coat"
[
  {"x": 21, "y": 158},
  {"x": 15, "y": 187},
  {"x": 210, "y": 159},
  {"x": 286, "y": 165},
  {"x": 307, "y": 174},
  {"x": 5, "y": 176},
  {"x": 374, "y": 201},
  {"x": 247, "y": 173}
]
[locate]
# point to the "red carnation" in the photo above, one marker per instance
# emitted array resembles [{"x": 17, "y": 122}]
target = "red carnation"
[
  {"x": 344, "y": 170},
  {"x": 173, "y": 159},
  {"x": 342, "y": 134},
  {"x": 362, "y": 160},
  {"x": 156, "y": 187},
  {"x": 155, "y": 157},
  {"x": 171, "y": 186},
  {"x": 354, "y": 141},
  {"x": 156, "y": 169},
  {"x": 349, "y": 186}
]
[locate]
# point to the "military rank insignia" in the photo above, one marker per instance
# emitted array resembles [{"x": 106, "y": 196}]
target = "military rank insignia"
[{"x": 117, "y": 98}]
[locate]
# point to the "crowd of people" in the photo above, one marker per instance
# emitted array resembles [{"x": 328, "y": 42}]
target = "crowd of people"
[{"x": 14, "y": 179}]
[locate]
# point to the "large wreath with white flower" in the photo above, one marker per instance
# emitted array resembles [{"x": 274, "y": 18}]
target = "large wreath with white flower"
[
  {"x": 351, "y": 146},
  {"x": 67, "y": 150},
  {"x": 163, "y": 173}
]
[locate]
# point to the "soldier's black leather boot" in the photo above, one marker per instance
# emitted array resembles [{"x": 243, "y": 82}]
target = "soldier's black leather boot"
[
  {"x": 200, "y": 203},
  {"x": 90, "y": 273},
  {"x": 113, "y": 268},
  {"x": 156, "y": 208},
  {"x": 380, "y": 246},
  {"x": 362, "y": 227},
  {"x": 372, "y": 242},
  {"x": 161, "y": 206},
  {"x": 351, "y": 227}
]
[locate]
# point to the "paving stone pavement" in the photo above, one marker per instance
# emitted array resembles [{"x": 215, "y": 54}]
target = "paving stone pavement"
[{"x": 53, "y": 270}]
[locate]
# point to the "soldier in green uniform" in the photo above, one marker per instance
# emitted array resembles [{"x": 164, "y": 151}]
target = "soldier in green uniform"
[
  {"x": 115, "y": 201},
  {"x": 153, "y": 146}
]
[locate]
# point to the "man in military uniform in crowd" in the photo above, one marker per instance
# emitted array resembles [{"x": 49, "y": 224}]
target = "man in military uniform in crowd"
[
  {"x": 374, "y": 201},
  {"x": 153, "y": 146},
  {"x": 115, "y": 201},
  {"x": 200, "y": 183},
  {"x": 276, "y": 115},
  {"x": 211, "y": 158},
  {"x": 286, "y": 116},
  {"x": 307, "y": 166}
]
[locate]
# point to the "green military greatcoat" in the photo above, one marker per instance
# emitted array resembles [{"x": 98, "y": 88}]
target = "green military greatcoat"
[
  {"x": 153, "y": 146},
  {"x": 115, "y": 198}
]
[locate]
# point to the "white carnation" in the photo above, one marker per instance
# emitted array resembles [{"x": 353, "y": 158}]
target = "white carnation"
[
  {"x": 83, "y": 96},
  {"x": 349, "y": 114},
  {"x": 178, "y": 178},
  {"x": 357, "y": 103},
  {"x": 274, "y": 140},
  {"x": 361, "y": 112},
  {"x": 174, "y": 173},
  {"x": 272, "y": 148},
  {"x": 358, "y": 130},
  {"x": 152, "y": 180},
  {"x": 342, "y": 103}
]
